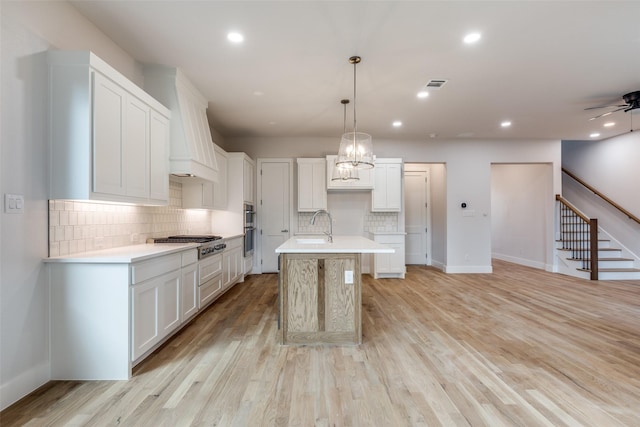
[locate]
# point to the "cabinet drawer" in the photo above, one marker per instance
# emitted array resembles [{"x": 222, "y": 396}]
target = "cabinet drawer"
[
  {"x": 209, "y": 290},
  {"x": 210, "y": 267},
  {"x": 145, "y": 270},
  {"x": 189, "y": 257},
  {"x": 234, "y": 243}
]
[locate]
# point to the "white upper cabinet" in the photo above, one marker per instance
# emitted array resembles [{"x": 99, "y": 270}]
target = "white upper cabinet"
[
  {"x": 387, "y": 192},
  {"x": 312, "y": 190},
  {"x": 208, "y": 195},
  {"x": 365, "y": 181},
  {"x": 191, "y": 155},
  {"x": 108, "y": 138},
  {"x": 249, "y": 180}
]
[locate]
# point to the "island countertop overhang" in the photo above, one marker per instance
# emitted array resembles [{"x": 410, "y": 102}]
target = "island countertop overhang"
[{"x": 340, "y": 245}]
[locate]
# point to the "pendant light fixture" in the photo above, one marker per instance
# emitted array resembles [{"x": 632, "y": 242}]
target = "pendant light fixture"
[
  {"x": 340, "y": 173},
  {"x": 356, "y": 148}
]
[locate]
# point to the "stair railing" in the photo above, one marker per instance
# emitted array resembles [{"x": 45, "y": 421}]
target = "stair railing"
[
  {"x": 602, "y": 196},
  {"x": 579, "y": 234}
]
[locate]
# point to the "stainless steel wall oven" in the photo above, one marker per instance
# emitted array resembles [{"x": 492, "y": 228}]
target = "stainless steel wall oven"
[{"x": 249, "y": 229}]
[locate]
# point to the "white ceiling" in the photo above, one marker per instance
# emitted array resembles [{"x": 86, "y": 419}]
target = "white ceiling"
[{"x": 539, "y": 64}]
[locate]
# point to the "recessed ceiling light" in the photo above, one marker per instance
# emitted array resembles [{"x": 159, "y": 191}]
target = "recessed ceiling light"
[
  {"x": 423, "y": 94},
  {"x": 505, "y": 124},
  {"x": 397, "y": 124},
  {"x": 472, "y": 38},
  {"x": 258, "y": 93},
  {"x": 594, "y": 135},
  {"x": 235, "y": 37},
  {"x": 609, "y": 124}
]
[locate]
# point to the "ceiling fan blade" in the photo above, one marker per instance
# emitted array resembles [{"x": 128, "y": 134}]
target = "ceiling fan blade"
[
  {"x": 605, "y": 106},
  {"x": 607, "y": 113}
]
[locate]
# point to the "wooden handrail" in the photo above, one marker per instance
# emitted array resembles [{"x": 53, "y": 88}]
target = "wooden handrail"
[
  {"x": 602, "y": 196},
  {"x": 573, "y": 208}
]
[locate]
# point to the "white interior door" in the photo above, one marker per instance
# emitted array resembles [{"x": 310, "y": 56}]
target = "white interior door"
[
  {"x": 416, "y": 217},
  {"x": 274, "y": 210}
]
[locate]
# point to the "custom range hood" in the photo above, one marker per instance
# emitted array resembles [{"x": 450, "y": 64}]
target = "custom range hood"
[{"x": 191, "y": 154}]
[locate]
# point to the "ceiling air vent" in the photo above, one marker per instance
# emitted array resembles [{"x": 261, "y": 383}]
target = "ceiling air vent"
[{"x": 435, "y": 83}]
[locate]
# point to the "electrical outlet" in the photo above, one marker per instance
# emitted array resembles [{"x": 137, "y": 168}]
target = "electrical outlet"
[
  {"x": 348, "y": 277},
  {"x": 134, "y": 238}
]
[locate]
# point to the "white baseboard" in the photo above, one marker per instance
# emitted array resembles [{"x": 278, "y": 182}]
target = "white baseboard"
[
  {"x": 18, "y": 387},
  {"x": 520, "y": 261},
  {"x": 468, "y": 269}
]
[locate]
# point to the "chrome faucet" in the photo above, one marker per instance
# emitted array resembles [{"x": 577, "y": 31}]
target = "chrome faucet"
[{"x": 330, "y": 233}]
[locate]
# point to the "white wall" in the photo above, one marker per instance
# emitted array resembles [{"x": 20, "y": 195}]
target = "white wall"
[
  {"x": 520, "y": 198},
  {"x": 611, "y": 167},
  {"x": 468, "y": 179},
  {"x": 28, "y": 29}
]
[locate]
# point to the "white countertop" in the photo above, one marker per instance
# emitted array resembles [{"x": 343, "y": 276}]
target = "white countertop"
[
  {"x": 340, "y": 245},
  {"x": 124, "y": 254}
]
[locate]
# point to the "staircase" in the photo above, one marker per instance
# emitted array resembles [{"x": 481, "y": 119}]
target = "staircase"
[
  {"x": 573, "y": 249},
  {"x": 612, "y": 265}
]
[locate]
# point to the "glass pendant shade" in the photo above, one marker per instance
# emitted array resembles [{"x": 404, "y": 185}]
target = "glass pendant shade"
[
  {"x": 344, "y": 174},
  {"x": 356, "y": 151}
]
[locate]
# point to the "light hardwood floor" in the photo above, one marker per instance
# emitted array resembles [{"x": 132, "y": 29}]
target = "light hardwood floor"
[{"x": 519, "y": 347}]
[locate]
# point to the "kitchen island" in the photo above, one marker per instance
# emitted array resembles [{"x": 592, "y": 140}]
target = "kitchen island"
[{"x": 320, "y": 289}]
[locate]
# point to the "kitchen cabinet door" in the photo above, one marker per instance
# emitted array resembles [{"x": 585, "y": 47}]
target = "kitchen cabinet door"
[
  {"x": 159, "y": 134},
  {"x": 312, "y": 191},
  {"x": 220, "y": 199},
  {"x": 189, "y": 292},
  {"x": 145, "y": 299},
  {"x": 209, "y": 195},
  {"x": 249, "y": 173},
  {"x": 135, "y": 160},
  {"x": 389, "y": 265},
  {"x": 170, "y": 308},
  {"x": 387, "y": 193},
  {"x": 156, "y": 311},
  {"x": 108, "y": 144}
]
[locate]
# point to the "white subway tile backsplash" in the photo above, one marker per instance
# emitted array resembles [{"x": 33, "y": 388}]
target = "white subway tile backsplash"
[
  {"x": 81, "y": 226},
  {"x": 373, "y": 222}
]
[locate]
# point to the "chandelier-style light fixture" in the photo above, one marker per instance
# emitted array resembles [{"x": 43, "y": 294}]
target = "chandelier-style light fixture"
[
  {"x": 340, "y": 173},
  {"x": 356, "y": 148}
]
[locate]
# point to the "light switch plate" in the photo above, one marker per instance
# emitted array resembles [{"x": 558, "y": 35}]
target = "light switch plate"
[{"x": 13, "y": 203}]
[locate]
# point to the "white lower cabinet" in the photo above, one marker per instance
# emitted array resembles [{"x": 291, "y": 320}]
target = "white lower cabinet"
[
  {"x": 389, "y": 265},
  {"x": 211, "y": 273},
  {"x": 106, "y": 316},
  {"x": 233, "y": 262},
  {"x": 155, "y": 311},
  {"x": 155, "y": 301},
  {"x": 189, "y": 285}
]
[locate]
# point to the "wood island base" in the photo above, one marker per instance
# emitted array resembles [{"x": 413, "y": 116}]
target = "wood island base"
[{"x": 320, "y": 298}]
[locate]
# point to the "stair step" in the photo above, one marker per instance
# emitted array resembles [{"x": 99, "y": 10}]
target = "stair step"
[{"x": 616, "y": 273}]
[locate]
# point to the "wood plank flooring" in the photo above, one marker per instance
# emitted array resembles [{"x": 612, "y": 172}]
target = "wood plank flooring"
[{"x": 519, "y": 347}]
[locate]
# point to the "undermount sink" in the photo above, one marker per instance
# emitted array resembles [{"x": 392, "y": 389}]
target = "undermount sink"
[{"x": 310, "y": 241}]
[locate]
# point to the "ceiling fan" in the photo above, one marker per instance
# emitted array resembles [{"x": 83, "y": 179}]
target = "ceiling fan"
[{"x": 632, "y": 102}]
